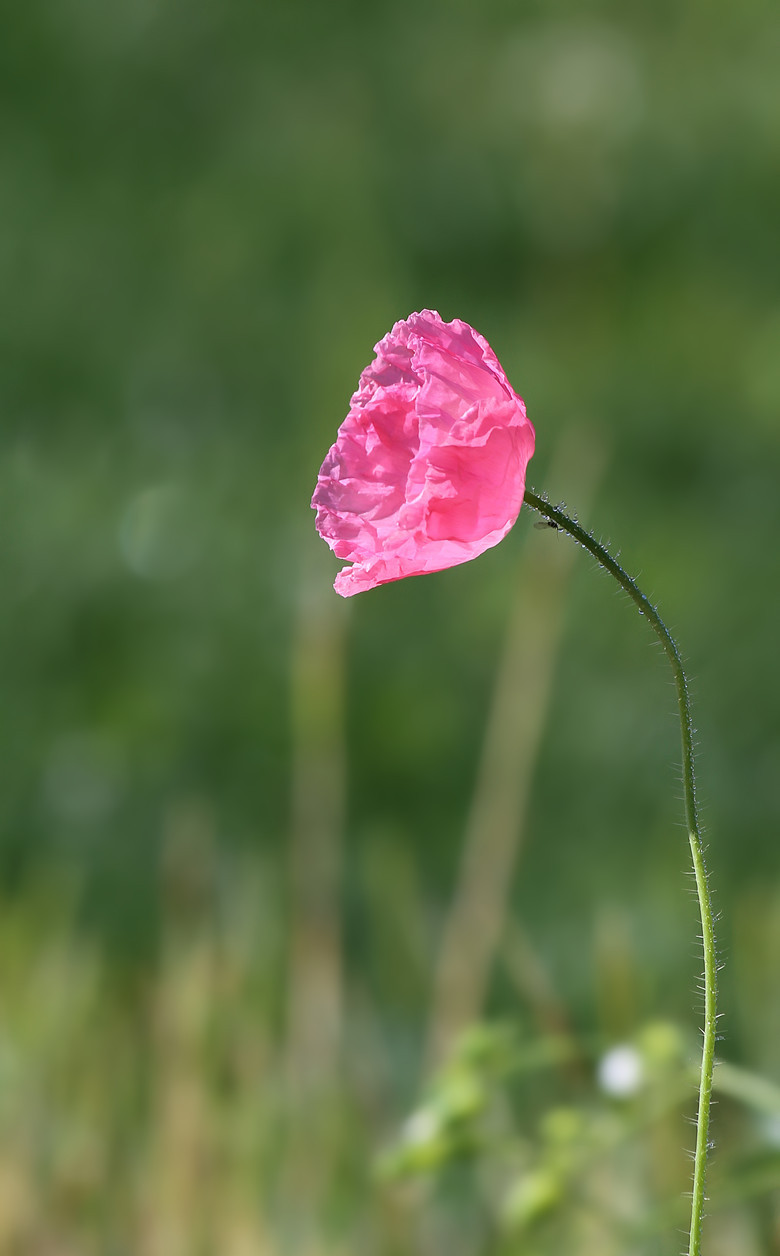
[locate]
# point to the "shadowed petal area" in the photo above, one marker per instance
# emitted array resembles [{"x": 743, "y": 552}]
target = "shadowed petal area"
[{"x": 428, "y": 468}]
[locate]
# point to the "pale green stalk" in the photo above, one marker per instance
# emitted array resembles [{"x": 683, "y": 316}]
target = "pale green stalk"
[{"x": 559, "y": 519}]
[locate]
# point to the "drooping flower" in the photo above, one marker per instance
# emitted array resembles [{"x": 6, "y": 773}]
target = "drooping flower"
[{"x": 428, "y": 468}]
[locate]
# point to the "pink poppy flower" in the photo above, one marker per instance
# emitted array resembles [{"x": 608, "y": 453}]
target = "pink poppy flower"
[{"x": 428, "y": 468}]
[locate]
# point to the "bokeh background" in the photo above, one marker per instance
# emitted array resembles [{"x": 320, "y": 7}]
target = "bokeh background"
[{"x": 265, "y": 855}]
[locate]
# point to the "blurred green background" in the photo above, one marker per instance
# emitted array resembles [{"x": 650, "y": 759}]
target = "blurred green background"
[{"x": 264, "y": 854}]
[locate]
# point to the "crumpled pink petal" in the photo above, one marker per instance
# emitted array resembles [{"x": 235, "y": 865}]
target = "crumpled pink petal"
[{"x": 428, "y": 468}]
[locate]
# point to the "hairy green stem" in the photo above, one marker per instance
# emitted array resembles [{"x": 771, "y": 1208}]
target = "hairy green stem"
[{"x": 557, "y": 518}]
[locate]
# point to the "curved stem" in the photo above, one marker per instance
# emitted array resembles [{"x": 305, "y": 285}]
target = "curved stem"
[{"x": 557, "y": 518}]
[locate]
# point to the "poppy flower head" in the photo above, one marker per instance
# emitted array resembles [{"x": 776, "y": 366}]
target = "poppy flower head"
[{"x": 428, "y": 467}]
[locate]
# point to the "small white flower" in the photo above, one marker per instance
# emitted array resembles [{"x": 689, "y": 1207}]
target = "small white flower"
[{"x": 621, "y": 1072}]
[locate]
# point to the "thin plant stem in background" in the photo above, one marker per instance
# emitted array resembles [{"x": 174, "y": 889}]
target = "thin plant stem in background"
[
  {"x": 478, "y": 925},
  {"x": 557, "y": 518}
]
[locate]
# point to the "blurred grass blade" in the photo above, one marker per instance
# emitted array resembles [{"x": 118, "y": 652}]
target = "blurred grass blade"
[
  {"x": 494, "y": 830},
  {"x": 314, "y": 991}
]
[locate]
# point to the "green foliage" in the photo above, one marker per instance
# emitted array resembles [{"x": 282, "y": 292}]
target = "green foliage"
[{"x": 600, "y": 1172}]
